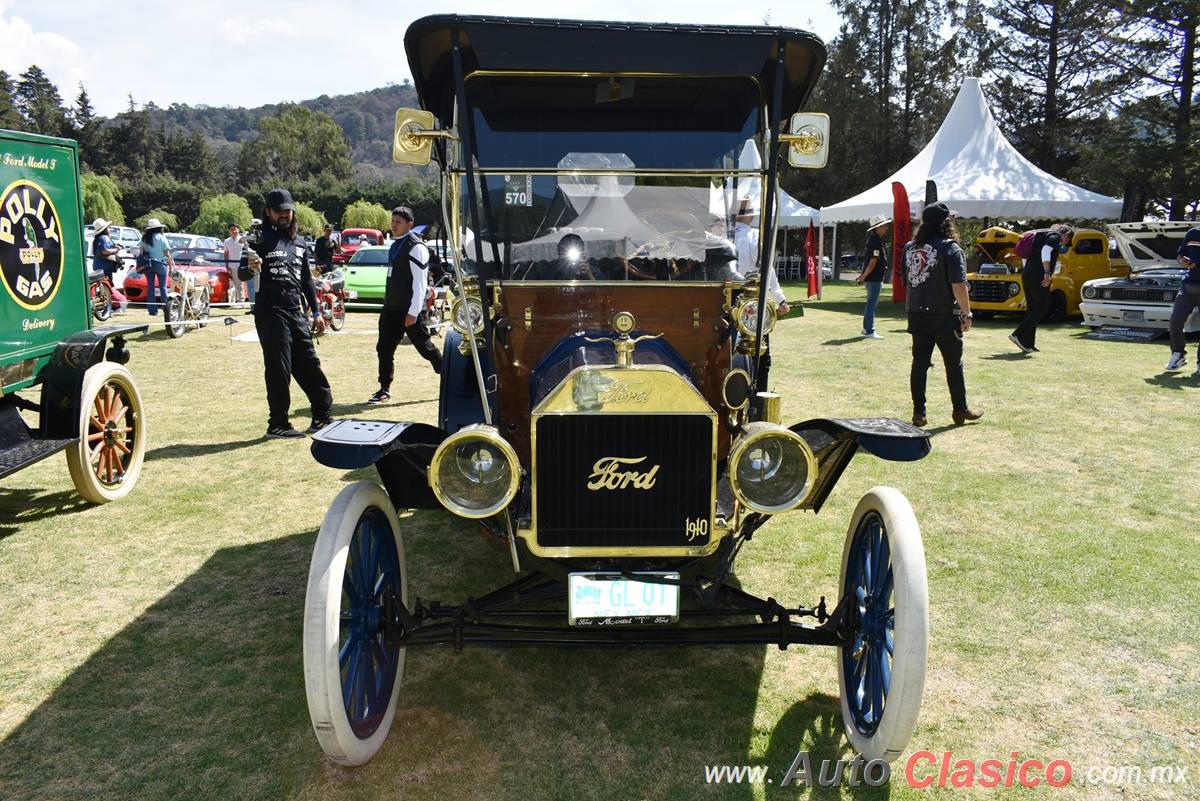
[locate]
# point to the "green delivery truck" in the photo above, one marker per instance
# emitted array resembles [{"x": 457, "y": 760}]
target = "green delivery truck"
[{"x": 54, "y": 366}]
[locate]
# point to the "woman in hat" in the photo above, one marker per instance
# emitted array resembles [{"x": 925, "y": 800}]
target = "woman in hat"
[
  {"x": 873, "y": 273},
  {"x": 154, "y": 245},
  {"x": 104, "y": 250}
]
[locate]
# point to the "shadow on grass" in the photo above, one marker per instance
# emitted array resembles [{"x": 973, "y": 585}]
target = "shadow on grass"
[
  {"x": 182, "y": 451},
  {"x": 814, "y": 725},
  {"x": 343, "y": 409},
  {"x": 1005, "y": 357},
  {"x": 202, "y": 696},
  {"x": 1175, "y": 380},
  {"x": 19, "y": 506}
]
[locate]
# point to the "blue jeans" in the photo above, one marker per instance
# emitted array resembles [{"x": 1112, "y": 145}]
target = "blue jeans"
[
  {"x": 157, "y": 271},
  {"x": 873, "y": 290}
]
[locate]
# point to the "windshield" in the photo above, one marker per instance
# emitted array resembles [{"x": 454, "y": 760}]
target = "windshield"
[
  {"x": 534, "y": 121},
  {"x": 370, "y": 255},
  {"x": 613, "y": 227},
  {"x": 355, "y": 240}
]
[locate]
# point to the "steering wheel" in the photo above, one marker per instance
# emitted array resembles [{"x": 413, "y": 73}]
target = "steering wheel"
[{"x": 666, "y": 234}]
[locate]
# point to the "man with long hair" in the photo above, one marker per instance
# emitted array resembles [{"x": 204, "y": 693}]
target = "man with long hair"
[
  {"x": 938, "y": 309},
  {"x": 280, "y": 256}
]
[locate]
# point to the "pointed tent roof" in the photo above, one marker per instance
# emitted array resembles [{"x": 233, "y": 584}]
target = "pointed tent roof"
[
  {"x": 723, "y": 200},
  {"x": 978, "y": 174}
]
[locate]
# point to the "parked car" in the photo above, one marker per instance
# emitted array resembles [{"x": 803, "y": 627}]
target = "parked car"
[
  {"x": 996, "y": 285},
  {"x": 366, "y": 276},
  {"x": 197, "y": 260},
  {"x": 1144, "y": 297},
  {"x": 599, "y": 411},
  {"x": 353, "y": 239}
]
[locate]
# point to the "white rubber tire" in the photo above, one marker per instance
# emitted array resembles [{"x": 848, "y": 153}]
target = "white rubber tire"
[
  {"x": 322, "y": 611},
  {"x": 100, "y": 379},
  {"x": 902, "y": 704}
]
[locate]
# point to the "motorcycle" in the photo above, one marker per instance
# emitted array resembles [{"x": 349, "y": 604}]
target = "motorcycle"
[
  {"x": 101, "y": 291},
  {"x": 331, "y": 299},
  {"x": 187, "y": 301}
]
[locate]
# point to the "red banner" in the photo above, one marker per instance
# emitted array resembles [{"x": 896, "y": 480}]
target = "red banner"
[
  {"x": 901, "y": 233},
  {"x": 812, "y": 262}
]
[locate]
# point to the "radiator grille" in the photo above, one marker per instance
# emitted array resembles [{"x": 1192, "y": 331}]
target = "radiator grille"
[
  {"x": 1139, "y": 295},
  {"x": 989, "y": 291},
  {"x": 676, "y": 511}
]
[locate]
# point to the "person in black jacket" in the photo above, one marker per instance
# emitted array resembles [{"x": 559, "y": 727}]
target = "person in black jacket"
[
  {"x": 938, "y": 308},
  {"x": 403, "y": 302},
  {"x": 280, "y": 257},
  {"x": 1039, "y": 269}
]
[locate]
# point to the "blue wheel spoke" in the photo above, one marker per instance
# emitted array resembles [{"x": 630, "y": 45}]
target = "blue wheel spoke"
[
  {"x": 885, "y": 588},
  {"x": 349, "y": 648},
  {"x": 349, "y": 683}
]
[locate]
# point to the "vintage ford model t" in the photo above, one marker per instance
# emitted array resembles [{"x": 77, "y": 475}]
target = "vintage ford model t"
[
  {"x": 601, "y": 406},
  {"x": 90, "y": 406}
]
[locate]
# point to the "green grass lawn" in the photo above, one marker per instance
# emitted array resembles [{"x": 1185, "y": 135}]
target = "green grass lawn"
[{"x": 151, "y": 648}]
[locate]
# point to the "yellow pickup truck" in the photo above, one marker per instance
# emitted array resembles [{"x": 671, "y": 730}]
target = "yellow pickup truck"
[{"x": 996, "y": 285}]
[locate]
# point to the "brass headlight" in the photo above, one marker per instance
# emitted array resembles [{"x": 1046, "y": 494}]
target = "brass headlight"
[
  {"x": 771, "y": 469},
  {"x": 467, "y": 316},
  {"x": 745, "y": 316},
  {"x": 475, "y": 472}
]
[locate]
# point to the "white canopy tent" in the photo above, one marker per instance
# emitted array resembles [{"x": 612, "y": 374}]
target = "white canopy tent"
[
  {"x": 978, "y": 174},
  {"x": 724, "y": 201}
]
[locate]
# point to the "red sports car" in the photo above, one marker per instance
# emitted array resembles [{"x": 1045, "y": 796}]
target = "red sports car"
[{"x": 200, "y": 260}]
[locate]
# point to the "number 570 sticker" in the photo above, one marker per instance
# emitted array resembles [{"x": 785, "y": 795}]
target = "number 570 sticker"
[{"x": 518, "y": 190}]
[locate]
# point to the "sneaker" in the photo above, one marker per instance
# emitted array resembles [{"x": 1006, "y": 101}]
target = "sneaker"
[
  {"x": 1013, "y": 339},
  {"x": 382, "y": 396},
  {"x": 317, "y": 425},
  {"x": 284, "y": 432},
  {"x": 873, "y": 335},
  {"x": 1178, "y": 360},
  {"x": 1032, "y": 349},
  {"x": 920, "y": 420},
  {"x": 964, "y": 416}
]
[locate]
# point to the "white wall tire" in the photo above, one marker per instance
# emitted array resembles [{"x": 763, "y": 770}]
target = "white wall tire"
[
  {"x": 352, "y": 681},
  {"x": 107, "y": 459},
  {"x": 881, "y": 674}
]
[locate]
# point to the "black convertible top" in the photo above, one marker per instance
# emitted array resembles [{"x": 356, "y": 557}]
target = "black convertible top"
[{"x": 515, "y": 45}]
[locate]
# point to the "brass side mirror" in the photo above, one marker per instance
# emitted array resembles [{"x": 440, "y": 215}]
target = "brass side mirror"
[
  {"x": 808, "y": 142},
  {"x": 412, "y": 142}
]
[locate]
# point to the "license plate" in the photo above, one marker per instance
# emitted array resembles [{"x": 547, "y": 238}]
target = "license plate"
[
  {"x": 607, "y": 599},
  {"x": 1135, "y": 316},
  {"x": 352, "y": 295}
]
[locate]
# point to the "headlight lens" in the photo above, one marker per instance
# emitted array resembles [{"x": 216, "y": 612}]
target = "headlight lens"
[
  {"x": 475, "y": 472},
  {"x": 1089, "y": 292},
  {"x": 745, "y": 316},
  {"x": 771, "y": 469},
  {"x": 467, "y": 316},
  {"x": 1013, "y": 289}
]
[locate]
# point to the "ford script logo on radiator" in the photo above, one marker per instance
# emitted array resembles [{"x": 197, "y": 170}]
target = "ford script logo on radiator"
[{"x": 607, "y": 474}]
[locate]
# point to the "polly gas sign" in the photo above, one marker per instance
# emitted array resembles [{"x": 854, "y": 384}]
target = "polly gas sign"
[{"x": 31, "y": 247}]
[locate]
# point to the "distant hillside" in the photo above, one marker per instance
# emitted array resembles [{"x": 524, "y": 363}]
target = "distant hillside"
[{"x": 366, "y": 119}]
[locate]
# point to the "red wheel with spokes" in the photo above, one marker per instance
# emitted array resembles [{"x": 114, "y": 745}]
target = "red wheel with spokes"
[{"x": 106, "y": 461}]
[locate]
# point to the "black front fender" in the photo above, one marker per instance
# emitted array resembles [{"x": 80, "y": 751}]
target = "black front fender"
[
  {"x": 835, "y": 440},
  {"x": 401, "y": 452}
]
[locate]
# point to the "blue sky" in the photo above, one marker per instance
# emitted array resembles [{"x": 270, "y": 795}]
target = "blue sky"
[{"x": 222, "y": 52}]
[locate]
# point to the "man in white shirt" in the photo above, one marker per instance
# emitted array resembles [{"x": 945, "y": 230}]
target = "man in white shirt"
[
  {"x": 233, "y": 255},
  {"x": 403, "y": 302}
]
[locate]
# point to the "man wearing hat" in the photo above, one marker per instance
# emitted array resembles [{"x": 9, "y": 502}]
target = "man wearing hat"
[
  {"x": 280, "y": 260},
  {"x": 325, "y": 248},
  {"x": 872, "y": 275},
  {"x": 104, "y": 250},
  {"x": 938, "y": 309}
]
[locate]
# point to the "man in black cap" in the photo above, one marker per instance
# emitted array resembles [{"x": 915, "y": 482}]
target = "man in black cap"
[
  {"x": 938, "y": 308},
  {"x": 281, "y": 259},
  {"x": 403, "y": 302}
]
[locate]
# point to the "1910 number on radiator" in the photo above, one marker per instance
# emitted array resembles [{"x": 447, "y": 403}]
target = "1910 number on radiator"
[{"x": 695, "y": 529}]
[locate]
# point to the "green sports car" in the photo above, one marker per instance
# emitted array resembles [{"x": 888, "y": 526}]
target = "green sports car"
[{"x": 366, "y": 277}]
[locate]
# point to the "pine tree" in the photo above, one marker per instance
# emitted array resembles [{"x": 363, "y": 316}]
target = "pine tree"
[
  {"x": 40, "y": 105},
  {"x": 10, "y": 117}
]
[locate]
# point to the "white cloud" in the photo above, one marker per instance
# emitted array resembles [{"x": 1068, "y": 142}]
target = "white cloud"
[
  {"x": 63, "y": 61},
  {"x": 239, "y": 30}
]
